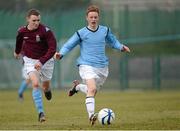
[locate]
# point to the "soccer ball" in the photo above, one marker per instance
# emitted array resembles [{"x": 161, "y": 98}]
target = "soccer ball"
[{"x": 106, "y": 116}]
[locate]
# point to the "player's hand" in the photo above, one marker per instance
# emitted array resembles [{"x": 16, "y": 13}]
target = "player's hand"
[
  {"x": 57, "y": 56},
  {"x": 17, "y": 56},
  {"x": 125, "y": 49},
  {"x": 38, "y": 66}
]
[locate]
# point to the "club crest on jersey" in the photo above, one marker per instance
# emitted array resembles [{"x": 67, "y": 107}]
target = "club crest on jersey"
[
  {"x": 38, "y": 38},
  {"x": 25, "y": 37}
]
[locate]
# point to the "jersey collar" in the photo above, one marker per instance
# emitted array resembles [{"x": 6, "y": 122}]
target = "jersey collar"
[{"x": 93, "y": 30}]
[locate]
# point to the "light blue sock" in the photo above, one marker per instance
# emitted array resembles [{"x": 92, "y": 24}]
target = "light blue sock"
[
  {"x": 23, "y": 87},
  {"x": 37, "y": 97}
]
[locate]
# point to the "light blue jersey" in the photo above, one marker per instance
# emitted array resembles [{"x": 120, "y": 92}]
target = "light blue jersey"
[{"x": 92, "y": 46}]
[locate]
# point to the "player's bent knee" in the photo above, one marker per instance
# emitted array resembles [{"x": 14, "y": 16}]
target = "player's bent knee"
[
  {"x": 35, "y": 84},
  {"x": 92, "y": 91}
]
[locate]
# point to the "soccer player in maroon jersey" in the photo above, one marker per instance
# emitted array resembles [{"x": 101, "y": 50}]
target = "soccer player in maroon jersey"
[{"x": 39, "y": 46}]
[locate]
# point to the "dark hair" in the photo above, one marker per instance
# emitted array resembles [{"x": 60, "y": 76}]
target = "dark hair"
[
  {"x": 92, "y": 8},
  {"x": 33, "y": 12}
]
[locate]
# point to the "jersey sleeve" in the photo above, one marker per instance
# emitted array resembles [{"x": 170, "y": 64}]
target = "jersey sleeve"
[
  {"x": 112, "y": 40},
  {"x": 70, "y": 44},
  {"x": 51, "y": 41},
  {"x": 19, "y": 42}
]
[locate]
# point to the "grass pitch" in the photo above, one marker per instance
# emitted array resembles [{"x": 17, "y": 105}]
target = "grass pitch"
[{"x": 133, "y": 110}]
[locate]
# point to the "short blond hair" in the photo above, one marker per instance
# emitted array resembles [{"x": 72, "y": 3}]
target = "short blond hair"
[{"x": 92, "y": 8}]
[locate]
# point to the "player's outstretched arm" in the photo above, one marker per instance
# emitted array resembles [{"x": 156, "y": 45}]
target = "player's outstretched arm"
[
  {"x": 125, "y": 49},
  {"x": 57, "y": 56}
]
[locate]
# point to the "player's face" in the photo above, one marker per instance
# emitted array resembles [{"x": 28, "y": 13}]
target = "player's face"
[
  {"x": 33, "y": 22},
  {"x": 92, "y": 19}
]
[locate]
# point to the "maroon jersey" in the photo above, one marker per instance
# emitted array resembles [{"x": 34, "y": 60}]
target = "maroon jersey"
[{"x": 36, "y": 44}]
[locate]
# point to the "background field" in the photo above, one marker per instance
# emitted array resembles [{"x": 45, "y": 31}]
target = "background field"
[{"x": 134, "y": 110}]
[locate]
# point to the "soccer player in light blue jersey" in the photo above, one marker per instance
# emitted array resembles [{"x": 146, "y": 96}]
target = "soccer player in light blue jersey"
[{"x": 92, "y": 62}]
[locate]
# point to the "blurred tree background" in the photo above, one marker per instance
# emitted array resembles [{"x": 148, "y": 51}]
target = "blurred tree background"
[
  {"x": 43, "y": 5},
  {"x": 58, "y": 13},
  {"x": 149, "y": 27}
]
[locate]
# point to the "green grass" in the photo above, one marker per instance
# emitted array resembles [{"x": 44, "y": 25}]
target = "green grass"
[{"x": 133, "y": 110}]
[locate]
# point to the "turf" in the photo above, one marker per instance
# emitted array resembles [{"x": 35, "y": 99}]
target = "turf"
[{"x": 134, "y": 110}]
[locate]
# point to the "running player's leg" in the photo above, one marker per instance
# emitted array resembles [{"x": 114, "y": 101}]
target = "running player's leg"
[
  {"x": 46, "y": 76},
  {"x": 22, "y": 88},
  {"x": 24, "y": 84},
  {"x": 94, "y": 78},
  {"x": 88, "y": 76},
  {"x": 90, "y": 100},
  {"x": 36, "y": 94},
  {"x": 47, "y": 90},
  {"x": 77, "y": 86}
]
